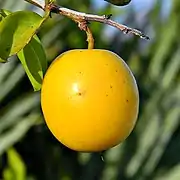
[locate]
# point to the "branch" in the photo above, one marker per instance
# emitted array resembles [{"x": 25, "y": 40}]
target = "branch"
[
  {"x": 79, "y": 16},
  {"x": 83, "y": 17}
]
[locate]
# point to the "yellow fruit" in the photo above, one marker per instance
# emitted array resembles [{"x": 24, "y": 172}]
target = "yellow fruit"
[{"x": 89, "y": 99}]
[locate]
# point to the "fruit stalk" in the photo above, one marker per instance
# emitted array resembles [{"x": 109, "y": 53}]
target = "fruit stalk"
[
  {"x": 90, "y": 38},
  {"x": 83, "y": 26}
]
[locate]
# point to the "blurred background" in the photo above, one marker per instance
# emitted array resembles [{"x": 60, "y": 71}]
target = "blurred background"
[{"x": 28, "y": 151}]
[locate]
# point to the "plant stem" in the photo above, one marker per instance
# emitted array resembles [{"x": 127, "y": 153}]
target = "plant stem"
[
  {"x": 75, "y": 15},
  {"x": 79, "y": 17},
  {"x": 83, "y": 26},
  {"x": 90, "y": 38}
]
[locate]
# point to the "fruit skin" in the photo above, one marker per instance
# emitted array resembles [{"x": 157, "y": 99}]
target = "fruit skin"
[{"x": 89, "y": 99}]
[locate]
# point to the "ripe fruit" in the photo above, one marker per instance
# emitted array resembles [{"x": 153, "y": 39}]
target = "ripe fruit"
[{"x": 89, "y": 99}]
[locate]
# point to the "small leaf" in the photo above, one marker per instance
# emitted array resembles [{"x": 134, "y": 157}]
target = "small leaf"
[
  {"x": 119, "y": 2},
  {"x": 16, "y": 30},
  {"x": 34, "y": 61}
]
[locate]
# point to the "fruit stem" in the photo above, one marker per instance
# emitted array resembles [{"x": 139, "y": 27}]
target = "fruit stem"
[
  {"x": 83, "y": 25},
  {"x": 90, "y": 38}
]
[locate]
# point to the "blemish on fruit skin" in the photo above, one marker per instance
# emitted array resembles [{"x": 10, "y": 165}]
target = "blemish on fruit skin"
[
  {"x": 106, "y": 95},
  {"x": 127, "y": 100},
  {"x": 79, "y": 93},
  {"x": 116, "y": 70},
  {"x": 111, "y": 86}
]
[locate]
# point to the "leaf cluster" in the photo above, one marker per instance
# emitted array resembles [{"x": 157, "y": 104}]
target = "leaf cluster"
[{"x": 18, "y": 37}]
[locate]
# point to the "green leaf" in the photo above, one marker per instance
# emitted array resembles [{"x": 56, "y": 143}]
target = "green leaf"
[
  {"x": 16, "y": 30},
  {"x": 34, "y": 61},
  {"x": 16, "y": 168}
]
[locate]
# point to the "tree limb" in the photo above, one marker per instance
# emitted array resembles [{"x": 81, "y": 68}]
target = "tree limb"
[{"x": 80, "y": 17}]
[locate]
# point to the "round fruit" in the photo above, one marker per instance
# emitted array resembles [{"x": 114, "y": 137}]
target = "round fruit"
[{"x": 89, "y": 99}]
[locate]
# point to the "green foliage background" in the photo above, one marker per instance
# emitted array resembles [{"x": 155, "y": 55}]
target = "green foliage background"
[{"x": 28, "y": 151}]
